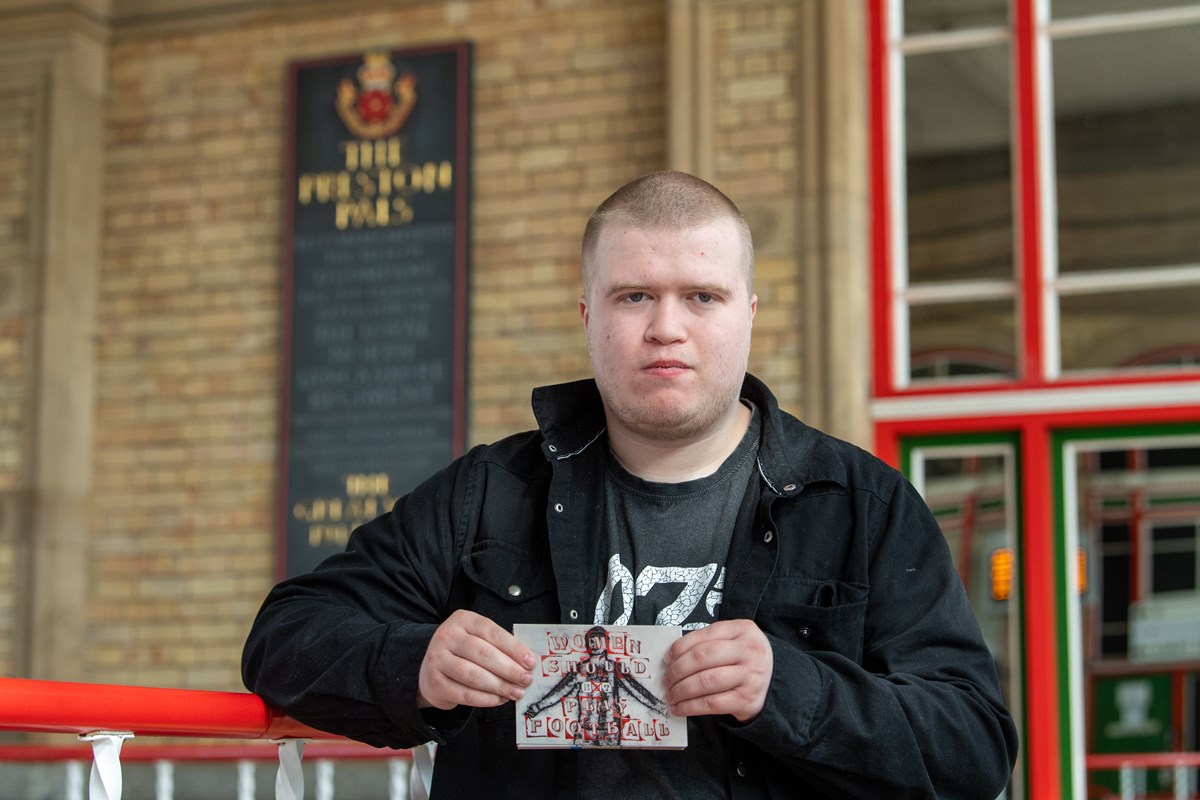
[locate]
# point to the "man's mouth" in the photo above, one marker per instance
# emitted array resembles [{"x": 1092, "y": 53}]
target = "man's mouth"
[{"x": 666, "y": 368}]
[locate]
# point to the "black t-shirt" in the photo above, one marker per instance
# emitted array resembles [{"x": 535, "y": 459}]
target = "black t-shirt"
[{"x": 668, "y": 544}]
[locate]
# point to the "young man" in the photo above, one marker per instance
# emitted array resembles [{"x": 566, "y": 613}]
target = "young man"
[{"x": 830, "y": 651}]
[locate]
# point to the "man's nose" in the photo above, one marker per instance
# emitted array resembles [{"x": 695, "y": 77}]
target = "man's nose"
[{"x": 667, "y": 324}]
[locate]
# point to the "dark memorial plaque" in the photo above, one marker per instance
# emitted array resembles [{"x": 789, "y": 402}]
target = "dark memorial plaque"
[{"x": 375, "y": 289}]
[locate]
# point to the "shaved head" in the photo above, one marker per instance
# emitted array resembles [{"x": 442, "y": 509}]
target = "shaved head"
[{"x": 666, "y": 200}]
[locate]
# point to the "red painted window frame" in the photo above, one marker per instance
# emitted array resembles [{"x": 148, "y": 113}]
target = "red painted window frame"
[{"x": 1046, "y": 748}]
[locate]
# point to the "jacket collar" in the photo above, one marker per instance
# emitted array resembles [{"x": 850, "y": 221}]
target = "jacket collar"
[
  {"x": 791, "y": 455},
  {"x": 570, "y": 416}
]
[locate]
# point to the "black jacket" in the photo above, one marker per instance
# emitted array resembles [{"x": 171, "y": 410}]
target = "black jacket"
[{"x": 882, "y": 685}]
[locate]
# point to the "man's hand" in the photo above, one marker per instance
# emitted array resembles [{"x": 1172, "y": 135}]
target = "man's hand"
[
  {"x": 472, "y": 661},
  {"x": 722, "y": 669}
]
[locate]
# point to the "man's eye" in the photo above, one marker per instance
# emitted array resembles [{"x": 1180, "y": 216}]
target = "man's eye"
[
  {"x": 635, "y": 297},
  {"x": 704, "y": 297}
]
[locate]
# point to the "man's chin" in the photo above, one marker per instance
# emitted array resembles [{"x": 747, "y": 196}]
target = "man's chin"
[{"x": 662, "y": 424}]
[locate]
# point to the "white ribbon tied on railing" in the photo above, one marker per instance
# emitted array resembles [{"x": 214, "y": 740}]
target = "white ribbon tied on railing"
[
  {"x": 105, "y": 782},
  {"x": 289, "y": 780},
  {"x": 421, "y": 774},
  {"x": 408, "y": 779}
]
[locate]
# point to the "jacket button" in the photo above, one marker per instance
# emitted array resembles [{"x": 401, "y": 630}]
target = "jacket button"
[
  {"x": 558, "y": 507},
  {"x": 574, "y": 615},
  {"x": 805, "y": 632},
  {"x": 552, "y": 448},
  {"x": 741, "y": 769},
  {"x": 768, "y": 536},
  {"x": 791, "y": 487},
  {"x": 514, "y": 591}
]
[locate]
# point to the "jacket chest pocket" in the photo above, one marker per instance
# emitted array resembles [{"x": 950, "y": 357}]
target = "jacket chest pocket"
[
  {"x": 816, "y": 615},
  {"x": 510, "y": 583}
]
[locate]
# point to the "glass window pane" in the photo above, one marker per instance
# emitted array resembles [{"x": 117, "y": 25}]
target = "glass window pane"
[
  {"x": 1114, "y": 598},
  {"x": 1127, "y": 135},
  {"x": 1168, "y": 533},
  {"x": 1173, "y": 572},
  {"x": 1174, "y": 458},
  {"x": 1080, "y": 8},
  {"x": 971, "y": 491},
  {"x": 929, "y": 16},
  {"x": 970, "y": 494},
  {"x": 1140, "y": 530},
  {"x": 1130, "y": 328},
  {"x": 959, "y": 166},
  {"x": 972, "y": 338}
]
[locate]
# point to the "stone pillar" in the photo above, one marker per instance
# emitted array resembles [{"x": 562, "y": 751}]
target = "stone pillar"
[
  {"x": 820, "y": 227},
  {"x": 55, "y": 55},
  {"x": 834, "y": 218}
]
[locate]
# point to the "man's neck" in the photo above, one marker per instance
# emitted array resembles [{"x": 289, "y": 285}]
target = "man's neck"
[{"x": 675, "y": 462}]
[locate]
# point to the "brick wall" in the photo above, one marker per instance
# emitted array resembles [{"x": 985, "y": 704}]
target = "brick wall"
[
  {"x": 756, "y": 134},
  {"x": 187, "y": 322},
  {"x": 568, "y": 103}
]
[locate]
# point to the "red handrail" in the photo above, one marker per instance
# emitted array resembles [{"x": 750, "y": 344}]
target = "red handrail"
[
  {"x": 1142, "y": 760},
  {"x": 37, "y": 706}
]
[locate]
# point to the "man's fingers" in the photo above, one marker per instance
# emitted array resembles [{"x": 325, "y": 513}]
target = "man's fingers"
[
  {"x": 708, "y": 653},
  {"x": 456, "y": 681},
  {"x": 725, "y": 668},
  {"x": 502, "y": 640},
  {"x": 486, "y": 656},
  {"x": 735, "y": 704},
  {"x": 445, "y": 682},
  {"x": 482, "y": 675},
  {"x": 739, "y": 690},
  {"x": 481, "y": 641},
  {"x": 473, "y": 661},
  {"x": 722, "y": 630},
  {"x": 702, "y": 684}
]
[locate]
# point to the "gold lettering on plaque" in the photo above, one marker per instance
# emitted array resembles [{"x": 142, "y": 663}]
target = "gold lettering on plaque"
[
  {"x": 373, "y": 190},
  {"x": 331, "y": 519}
]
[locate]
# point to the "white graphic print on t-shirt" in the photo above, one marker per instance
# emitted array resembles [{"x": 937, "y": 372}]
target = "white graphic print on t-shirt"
[{"x": 693, "y": 581}]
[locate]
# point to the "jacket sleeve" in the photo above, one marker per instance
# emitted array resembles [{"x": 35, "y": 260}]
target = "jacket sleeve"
[
  {"x": 340, "y": 648},
  {"x": 920, "y": 715}
]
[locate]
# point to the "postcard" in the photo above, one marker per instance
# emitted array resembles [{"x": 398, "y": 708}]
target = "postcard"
[{"x": 598, "y": 686}]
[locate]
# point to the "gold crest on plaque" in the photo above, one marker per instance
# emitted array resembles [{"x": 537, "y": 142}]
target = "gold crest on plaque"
[{"x": 380, "y": 103}]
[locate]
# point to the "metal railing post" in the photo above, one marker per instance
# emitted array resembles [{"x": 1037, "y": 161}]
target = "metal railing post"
[
  {"x": 164, "y": 780},
  {"x": 74, "y": 778},
  {"x": 1128, "y": 792},
  {"x": 324, "y": 776},
  {"x": 398, "y": 772},
  {"x": 245, "y": 780}
]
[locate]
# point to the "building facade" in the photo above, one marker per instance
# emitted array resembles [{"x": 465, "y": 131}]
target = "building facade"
[{"x": 975, "y": 225}]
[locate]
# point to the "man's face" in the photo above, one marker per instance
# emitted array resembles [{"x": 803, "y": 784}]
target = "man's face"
[{"x": 667, "y": 315}]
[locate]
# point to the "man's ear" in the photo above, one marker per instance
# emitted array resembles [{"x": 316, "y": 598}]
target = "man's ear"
[
  {"x": 753, "y": 306},
  {"x": 583, "y": 309}
]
